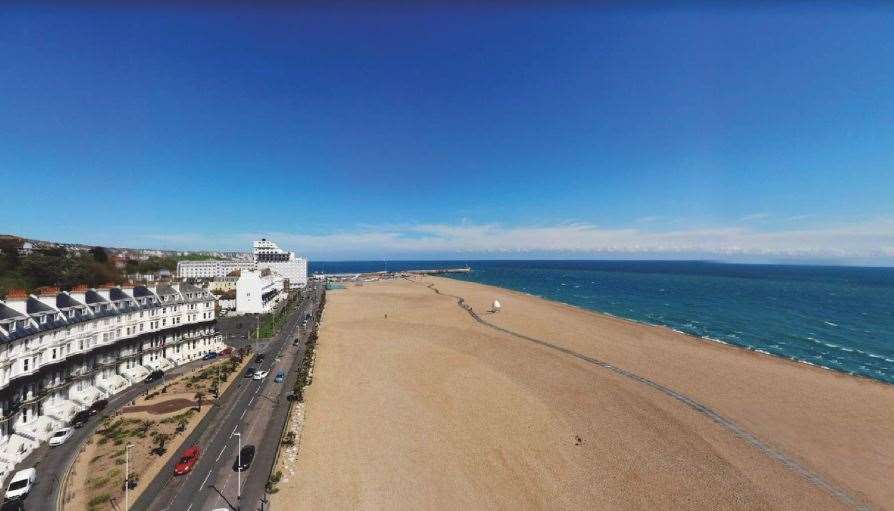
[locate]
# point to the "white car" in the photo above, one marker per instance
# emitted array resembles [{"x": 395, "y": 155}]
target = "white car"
[
  {"x": 59, "y": 437},
  {"x": 260, "y": 375},
  {"x": 21, "y": 483}
]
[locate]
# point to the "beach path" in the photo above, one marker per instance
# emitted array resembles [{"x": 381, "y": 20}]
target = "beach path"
[{"x": 431, "y": 409}]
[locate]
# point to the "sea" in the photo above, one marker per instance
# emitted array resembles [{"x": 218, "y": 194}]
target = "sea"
[{"x": 838, "y": 318}]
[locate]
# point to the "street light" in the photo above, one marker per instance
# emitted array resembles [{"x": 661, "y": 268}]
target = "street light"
[
  {"x": 127, "y": 476},
  {"x": 238, "y": 472}
]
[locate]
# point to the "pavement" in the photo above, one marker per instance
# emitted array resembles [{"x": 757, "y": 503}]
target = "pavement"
[
  {"x": 53, "y": 462},
  {"x": 255, "y": 409}
]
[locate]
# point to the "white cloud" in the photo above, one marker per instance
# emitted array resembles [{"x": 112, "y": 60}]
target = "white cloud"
[
  {"x": 869, "y": 239},
  {"x": 756, "y": 216}
]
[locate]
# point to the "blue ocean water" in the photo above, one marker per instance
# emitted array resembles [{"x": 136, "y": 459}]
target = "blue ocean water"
[{"x": 841, "y": 318}]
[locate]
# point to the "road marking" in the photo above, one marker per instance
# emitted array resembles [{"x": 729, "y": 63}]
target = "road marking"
[
  {"x": 206, "y": 478},
  {"x": 234, "y": 430},
  {"x": 252, "y": 400},
  {"x": 222, "y": 449},
  {"x": 243, "y": 413},
  {"x": 190, "y": 507}
]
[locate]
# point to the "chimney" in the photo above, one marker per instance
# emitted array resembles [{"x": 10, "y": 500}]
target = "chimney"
[
  {"x": 79, "y": 293},
  {"x": 17, "y": 299},
  {"x": 127, "y": 289},
  {"x": 104, "y": 289},
  {"x": 47, "y": 295}
]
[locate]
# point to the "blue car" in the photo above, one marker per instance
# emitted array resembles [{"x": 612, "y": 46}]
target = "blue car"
[
  {"x": 210, "y": 356},
  {"x": 280, "y": 376}
]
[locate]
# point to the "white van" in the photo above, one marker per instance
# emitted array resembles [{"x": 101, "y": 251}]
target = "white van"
[{"x": 21, "y": 483}]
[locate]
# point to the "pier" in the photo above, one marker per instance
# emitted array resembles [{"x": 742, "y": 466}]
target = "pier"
[{"x": 361, "y": 275}]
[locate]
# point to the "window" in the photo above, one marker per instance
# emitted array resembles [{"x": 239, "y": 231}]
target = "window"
[
  {"x": 54, "y": 353},
  {"x": 25, "y": 364}
]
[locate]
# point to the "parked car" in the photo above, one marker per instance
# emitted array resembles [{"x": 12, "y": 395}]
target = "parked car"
[
  {"x": 154, "y": 376},
  {"x": 80, "y": 418},
  {"x": 187, "y": 460},
  {"x": 98, "y": 406},
  {"x": 260, "y": 375},
  {"x": 280, "y": 376},
  {"x": 13, "y": 505},
  {"x": 21, "y": 483},
  {"x": 60, "y": 436},
  {"x": 210, "y": 356},
  {"x": 250, "y": 372},
  {"x": 243, "y": 461},
  {"x": 226, "y": 351}
]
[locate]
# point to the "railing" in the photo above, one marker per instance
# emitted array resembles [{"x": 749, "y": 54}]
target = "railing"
[{"x": 57, "y": 384}]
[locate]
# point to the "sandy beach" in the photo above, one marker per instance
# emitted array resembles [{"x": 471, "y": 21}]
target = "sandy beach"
[{"x": 428, "y": 408}]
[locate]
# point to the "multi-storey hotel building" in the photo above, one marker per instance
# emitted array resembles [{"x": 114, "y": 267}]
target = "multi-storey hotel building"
[
  {"x": 266, "y": 255},
  {"x": 62, "y": 351}
]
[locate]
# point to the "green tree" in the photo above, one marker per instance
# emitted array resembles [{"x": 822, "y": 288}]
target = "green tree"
[{"x": 99, "y": 254}]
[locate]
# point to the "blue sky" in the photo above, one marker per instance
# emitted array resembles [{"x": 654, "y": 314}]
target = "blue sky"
[{"x": 731, "y": 132}]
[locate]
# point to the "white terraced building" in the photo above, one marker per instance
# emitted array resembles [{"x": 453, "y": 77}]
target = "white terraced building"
[
  {"x": 258, "y": 292},
  {"x": 62, "y": 351},
  {"x": 211, "y": 269}
]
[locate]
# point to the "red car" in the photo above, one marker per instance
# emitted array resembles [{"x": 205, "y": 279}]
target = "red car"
[
  {"x": 187, "y": 461},
  {"x": 226, "y": 352}
]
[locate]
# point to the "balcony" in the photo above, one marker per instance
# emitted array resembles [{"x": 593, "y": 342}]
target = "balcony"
[
  {"x": 81, "y": 374},
  {"x": 62, "y": 382}
]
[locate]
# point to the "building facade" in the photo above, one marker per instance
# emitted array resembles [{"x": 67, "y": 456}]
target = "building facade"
[
  {"x": 211, "y": 269},
  {"x": 62, "y": 351},
  {"x": 258, "y": 292},
  {"x": 268, "y": 255}
]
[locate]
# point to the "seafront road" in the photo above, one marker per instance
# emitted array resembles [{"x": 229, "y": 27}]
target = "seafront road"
[
  {"x": 257, "y": 410},
  {"x": 52, "y": 463}
]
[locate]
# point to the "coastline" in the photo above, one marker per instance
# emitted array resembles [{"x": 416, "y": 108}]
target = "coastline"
[
  {"x": 478, "y": 418},
  {"x": 701, "y": 338}
]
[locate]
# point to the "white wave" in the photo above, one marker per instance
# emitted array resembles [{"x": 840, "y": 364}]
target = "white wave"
[{"x": 830, "y": 323}]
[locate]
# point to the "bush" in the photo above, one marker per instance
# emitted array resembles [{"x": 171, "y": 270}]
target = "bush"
[
  {"x": 98, "y": 501},
  {"x": 270, "y": 487}
]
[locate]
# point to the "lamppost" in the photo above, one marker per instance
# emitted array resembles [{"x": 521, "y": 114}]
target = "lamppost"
[
  {"x": 238, "y": 472},
  {"x": 127, "y": 476}
]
